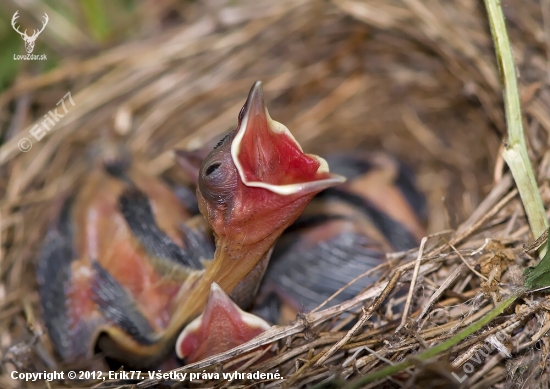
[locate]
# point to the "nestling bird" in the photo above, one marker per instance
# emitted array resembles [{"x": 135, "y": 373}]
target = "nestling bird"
[
  {"x": 117, "y": 256},
  {"x": 221, "y": 327},
  {"x": 344, "y": 232},
  {"x": 123, "y": 269}
]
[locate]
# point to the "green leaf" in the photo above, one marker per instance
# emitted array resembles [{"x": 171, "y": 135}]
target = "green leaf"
[{"x": 539, "y": 276}]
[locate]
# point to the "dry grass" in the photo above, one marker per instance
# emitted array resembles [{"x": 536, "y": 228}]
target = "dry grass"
[{"x": 417, "y": 78}]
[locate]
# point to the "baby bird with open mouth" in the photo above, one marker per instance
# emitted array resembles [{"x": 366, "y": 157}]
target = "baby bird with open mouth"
[{"x": 125, "y": 268}]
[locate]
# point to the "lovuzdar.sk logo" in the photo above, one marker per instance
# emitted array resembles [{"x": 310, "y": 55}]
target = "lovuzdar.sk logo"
[{"x": 29, "y": 40}]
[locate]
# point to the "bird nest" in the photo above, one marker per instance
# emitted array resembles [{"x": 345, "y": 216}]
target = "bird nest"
[{"x": 416, "y": 78}]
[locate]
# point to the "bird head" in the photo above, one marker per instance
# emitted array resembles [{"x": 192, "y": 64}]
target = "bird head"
[
  {"x": 253, "y": 185},
  {"x": 258, "y": 180}
]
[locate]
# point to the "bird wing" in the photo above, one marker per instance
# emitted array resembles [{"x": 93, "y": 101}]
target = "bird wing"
[{"x": 305, "y": 276}]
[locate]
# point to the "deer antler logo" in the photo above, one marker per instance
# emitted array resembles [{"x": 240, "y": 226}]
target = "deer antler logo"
[{"x": 29, "y": 40}]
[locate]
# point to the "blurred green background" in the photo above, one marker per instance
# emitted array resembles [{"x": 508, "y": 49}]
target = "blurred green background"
[{"x": 75, "y": 29}]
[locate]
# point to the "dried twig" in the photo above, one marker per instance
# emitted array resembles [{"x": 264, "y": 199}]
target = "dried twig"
[{"x": 413, "y": 283}]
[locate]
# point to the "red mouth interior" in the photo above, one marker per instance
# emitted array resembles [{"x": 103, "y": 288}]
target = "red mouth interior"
[
  {"x": 274, "y": 158},
  {"x": 221, "y": 329}
]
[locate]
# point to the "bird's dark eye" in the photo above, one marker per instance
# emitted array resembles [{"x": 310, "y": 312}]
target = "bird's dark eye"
[
  {"x": 217, "y": 179},
  {"x": 212, "y": 168}
]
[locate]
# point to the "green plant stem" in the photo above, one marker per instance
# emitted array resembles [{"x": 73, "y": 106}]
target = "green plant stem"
[
  {"x": 515, "y": 153},
  {"x": 516, "y": 156},
  {"x": 436, "y": 350}
]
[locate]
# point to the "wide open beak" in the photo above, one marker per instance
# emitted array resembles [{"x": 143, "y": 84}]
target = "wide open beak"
[
  {"x": 221, "y": 327},
  {"x": 267, "y": 156}
]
